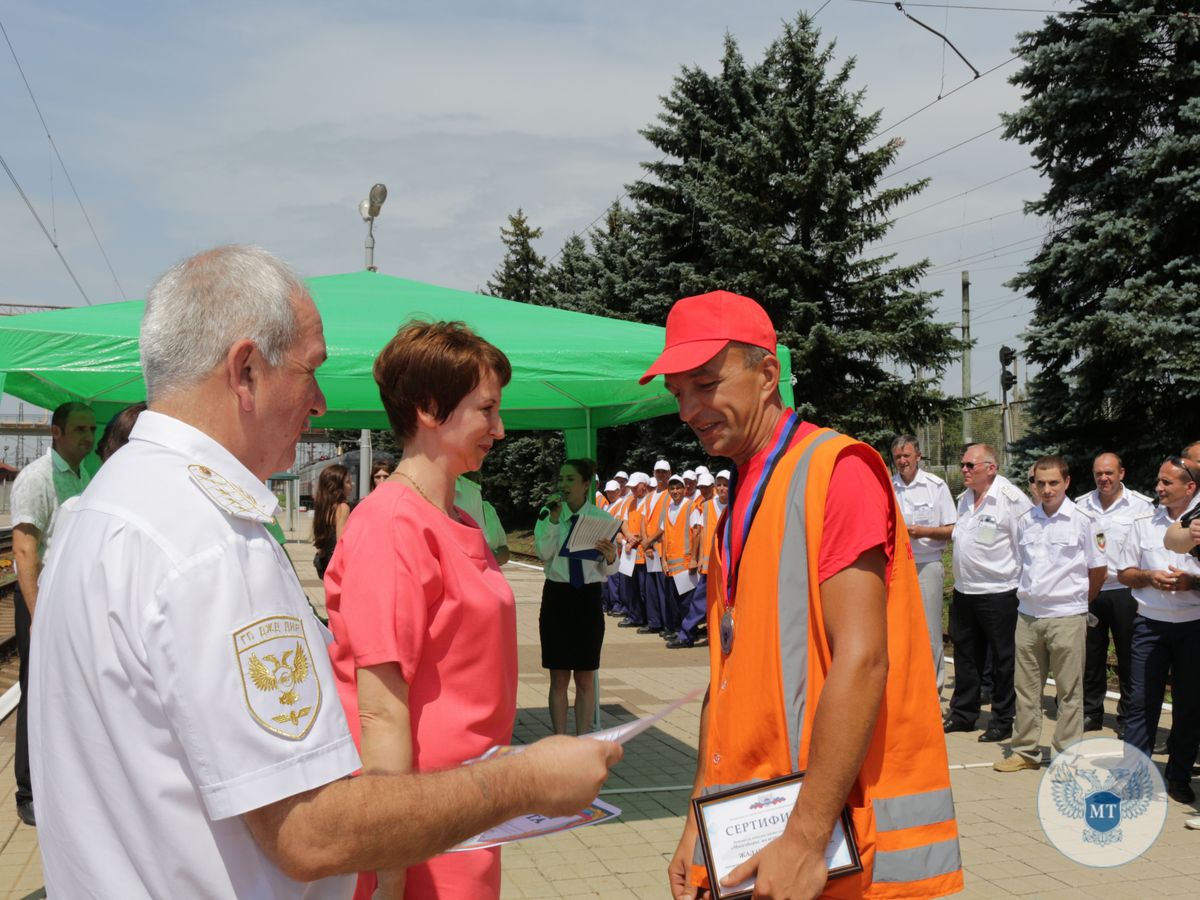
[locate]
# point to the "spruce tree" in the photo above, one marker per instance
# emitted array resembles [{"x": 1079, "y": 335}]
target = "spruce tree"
[
  {"x": 522, "y": 273},
  {"x": 1112, "y": 117},
  {"x": 770, "y": 187}
]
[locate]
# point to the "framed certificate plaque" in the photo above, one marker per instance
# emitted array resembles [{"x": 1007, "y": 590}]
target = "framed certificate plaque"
[{"x": 737, "y": 823}]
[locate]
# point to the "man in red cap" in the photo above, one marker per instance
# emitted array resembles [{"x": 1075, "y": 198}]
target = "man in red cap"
[{"x": 819, "y": 659}]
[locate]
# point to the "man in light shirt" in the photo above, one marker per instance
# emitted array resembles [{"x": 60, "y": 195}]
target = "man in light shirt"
[
  {"x": 1114, "y": 506},
  {"x": 984, "y": 608},
  {"x": 1062, "y": 568},
  {"x": 38, "y": 491},
  {"x": 185, "y": 731},
  {"x": 1166, "y": 630},
  {"x": 930, "y": 514}
]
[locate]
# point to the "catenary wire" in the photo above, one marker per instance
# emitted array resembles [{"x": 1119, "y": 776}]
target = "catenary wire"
[
  {"x": 38, "y": 218},
  {"x": 918, "y": 237},
  {"x": 70, "y": 180},
  {"x": 1026, "y": 9},
  {"x": 921, "y": 162}
]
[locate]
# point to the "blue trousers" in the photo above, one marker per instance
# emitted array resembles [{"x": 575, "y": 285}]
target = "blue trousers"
[
  {"x": 652, "y": 588},
  {"x": 610, "y": 595},
  {"x": 631, "y": 595},
  {"x": 1156, "y": 650},
  {"x": 693, "y": 610},
  {"x": 673, "y": 603}
]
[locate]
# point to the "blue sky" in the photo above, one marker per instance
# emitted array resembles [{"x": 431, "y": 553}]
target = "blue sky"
[{"x": 187, "y": 125}]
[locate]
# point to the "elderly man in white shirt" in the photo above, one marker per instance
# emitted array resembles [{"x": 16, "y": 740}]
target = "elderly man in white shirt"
[
  {"x": 983, "y": 614},
  {"x": 186, "y": 735},
  {"x": 1114, "y": 505},
  {"x": 1166, "y": 630},
  {"x": 1062, "y": 568},
  {"x": 37, "y": 493},
  {"x": 929, "y": 512}
]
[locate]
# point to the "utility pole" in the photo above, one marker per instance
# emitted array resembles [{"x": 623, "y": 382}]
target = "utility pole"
[
  {"x": 368, "y": 209},
  {"x": 967, "y": 438}
]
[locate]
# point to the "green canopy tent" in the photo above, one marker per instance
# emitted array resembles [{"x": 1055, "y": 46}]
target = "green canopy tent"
[{"x": 571, "y": 372}]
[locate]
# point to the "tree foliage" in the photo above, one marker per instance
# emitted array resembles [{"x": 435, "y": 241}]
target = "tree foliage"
[
  {"x": 1112, "y": 117},
  {"x": 522, "y": 271},
  {"x": 770, "y": 185}
]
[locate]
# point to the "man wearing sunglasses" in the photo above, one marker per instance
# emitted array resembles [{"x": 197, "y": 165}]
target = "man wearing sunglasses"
[
  {"x": 983, "y": 613},
  {"x": 1166, "y": 630}
]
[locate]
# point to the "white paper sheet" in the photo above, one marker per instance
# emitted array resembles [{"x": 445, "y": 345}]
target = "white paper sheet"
[
  {"x": 590, "y": 530},
  {"x": 684, "y": 581}
]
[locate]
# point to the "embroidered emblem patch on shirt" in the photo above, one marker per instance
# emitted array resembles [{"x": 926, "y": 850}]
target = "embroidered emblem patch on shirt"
[
  {"x": 230, "y": 497},
  {"x": 279, "y": 682}
]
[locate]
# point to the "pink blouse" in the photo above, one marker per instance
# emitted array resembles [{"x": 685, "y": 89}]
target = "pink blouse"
[{"x": 409, "y": 585}]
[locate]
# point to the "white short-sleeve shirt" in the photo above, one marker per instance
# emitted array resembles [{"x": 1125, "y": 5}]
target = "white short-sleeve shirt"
[
  {"x": 1144, "y": 549},
  {"x": 985, "y": 539},
  {"x": 1056, "y": 553},
  {"x": 926, "y": 501},
  {"x": 1113, "y": 526},
  {"x": 549, "y": 537},
  {"x": 41, "y": 488},
  {"x": 179, "y": 680}
]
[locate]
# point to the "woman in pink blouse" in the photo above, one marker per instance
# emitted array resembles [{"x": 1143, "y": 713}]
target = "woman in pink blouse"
[{"x": 424, "y": 623}]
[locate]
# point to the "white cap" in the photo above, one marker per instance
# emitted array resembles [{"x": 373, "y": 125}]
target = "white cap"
[
  {"x": 611, "y": 486},
  {"x": 675, "y": 478},
  {"x": 624, "y": 475},
  {"x": 639, "y": 478},
  {"x": 724, "y": 473},
  {"x": 689, "y": 475},
  {"x": 704, "y": 479},
  {"x": 662, "y": 464},
  {"x": 702, "y": 470}
]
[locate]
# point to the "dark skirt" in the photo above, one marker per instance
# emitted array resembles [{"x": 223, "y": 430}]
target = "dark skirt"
[{"x": 571, "y": 625}]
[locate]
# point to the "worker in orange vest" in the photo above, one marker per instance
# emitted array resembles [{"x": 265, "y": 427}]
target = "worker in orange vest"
[
  {"x": 830, "y": 676},
  {"x": 706, "y": 511}
]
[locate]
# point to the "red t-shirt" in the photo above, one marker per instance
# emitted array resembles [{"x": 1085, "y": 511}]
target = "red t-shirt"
[{"x": 857, "y": 507}]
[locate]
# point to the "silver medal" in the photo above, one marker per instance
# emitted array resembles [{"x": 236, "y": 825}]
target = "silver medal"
[{"x": 727, "y": 632}]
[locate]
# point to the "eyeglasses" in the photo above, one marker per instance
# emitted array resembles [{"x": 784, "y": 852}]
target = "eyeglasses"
[{"x": 970, "y": 465}]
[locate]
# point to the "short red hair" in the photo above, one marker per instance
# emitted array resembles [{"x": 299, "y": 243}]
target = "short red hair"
[{"x": 432, "y": 366}]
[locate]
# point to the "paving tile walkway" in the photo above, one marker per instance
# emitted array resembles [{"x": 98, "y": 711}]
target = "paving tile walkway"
[{"x": 1005, "y": 853}]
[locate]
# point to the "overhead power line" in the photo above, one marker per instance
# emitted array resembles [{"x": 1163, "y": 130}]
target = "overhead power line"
[
  {"x": 70, "y": 181},
  {"x": 949, "y": 93},
  {"x": 53, "y": 243},
  {"x": 921, "y": 162},
  {"x": 1027, "y": 9},
  {"x": 918, "y": 237},
  {"x": 964, "y": 193}
]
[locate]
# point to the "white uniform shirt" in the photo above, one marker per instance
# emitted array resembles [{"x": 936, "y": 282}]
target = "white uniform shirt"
[
  {"x": 548, "y": 538},
  {"x": 41, "y": 488},
  {"x": 1056, "y": 553},
  {"x": 985, "y": 539},
  {"x": 179, "y": 680},
  {"x": 926, "y": 501},
  {"x": 1113, "y": 526},
  {"x": 1144, "y": 549}
]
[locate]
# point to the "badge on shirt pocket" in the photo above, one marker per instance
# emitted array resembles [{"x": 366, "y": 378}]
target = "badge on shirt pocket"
[{"x": 279, "y": 681}]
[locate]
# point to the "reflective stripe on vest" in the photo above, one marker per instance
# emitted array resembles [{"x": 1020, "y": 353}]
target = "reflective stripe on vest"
[
  {"x": 793, "y": 617},
  {"x": 917, "y": 864},
  {"x": 913, "y": 810}
]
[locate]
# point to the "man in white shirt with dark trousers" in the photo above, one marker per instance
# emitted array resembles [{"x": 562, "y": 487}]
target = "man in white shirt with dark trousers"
[{"x": 983, "y": 613}]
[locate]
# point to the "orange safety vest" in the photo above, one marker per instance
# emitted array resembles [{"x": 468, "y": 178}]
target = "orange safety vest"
[
  {"x": 601, "y": 500},
  {"x": 677, "y": 541},
  {"x": 760, "y": 713},
  {"x": 707, "y": 530},
  {"x": 636, "y": 514},
  {"x": 654, "y": 514}
]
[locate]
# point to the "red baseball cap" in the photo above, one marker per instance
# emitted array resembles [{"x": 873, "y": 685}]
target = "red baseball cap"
[{"x": 698, "y": 328}]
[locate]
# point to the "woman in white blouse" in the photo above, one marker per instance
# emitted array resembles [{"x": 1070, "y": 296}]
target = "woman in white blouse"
[{"x": 571, "y": 623}]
